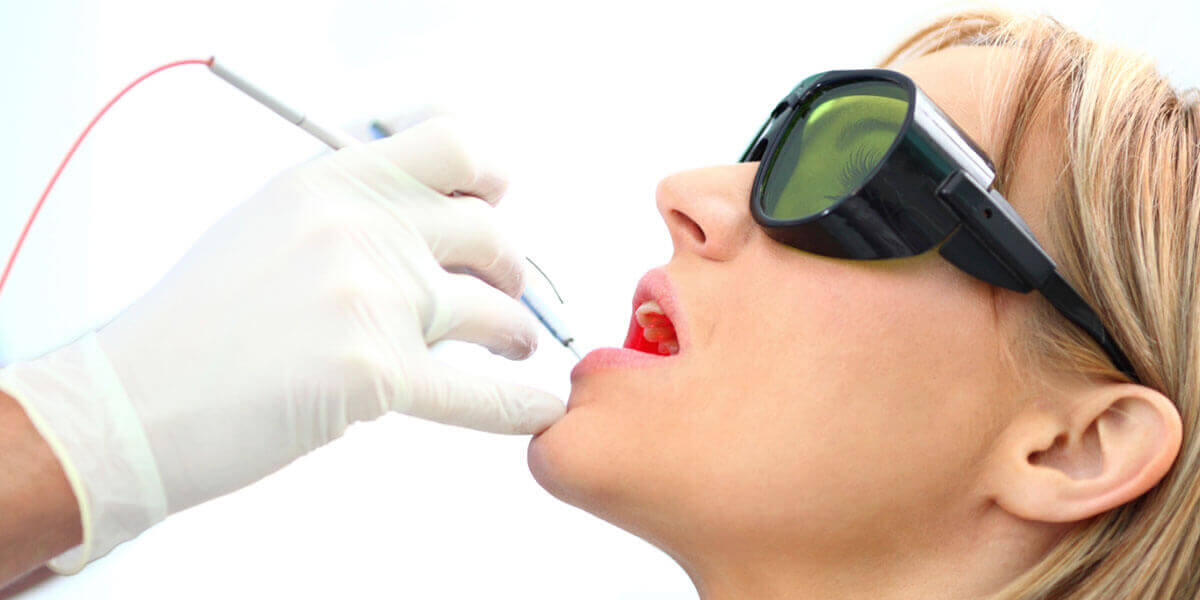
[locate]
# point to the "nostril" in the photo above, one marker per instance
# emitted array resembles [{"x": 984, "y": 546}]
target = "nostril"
[{"x": 686, "y": 223}]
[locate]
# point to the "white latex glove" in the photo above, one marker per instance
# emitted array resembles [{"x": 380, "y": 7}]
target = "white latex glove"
[{"x": 305, "y": 309}]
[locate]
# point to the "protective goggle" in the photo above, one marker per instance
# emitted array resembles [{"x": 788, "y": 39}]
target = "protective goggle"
[{"x": 861, "y": 164}]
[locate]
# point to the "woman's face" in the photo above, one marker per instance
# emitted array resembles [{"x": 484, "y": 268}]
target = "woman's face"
[{"x": 816, "y": 406}]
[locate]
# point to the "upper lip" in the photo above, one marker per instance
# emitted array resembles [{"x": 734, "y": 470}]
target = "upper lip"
[{"x": 656, "y": 285}]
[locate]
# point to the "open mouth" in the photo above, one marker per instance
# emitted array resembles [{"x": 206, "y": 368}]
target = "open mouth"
[
  {"x": 652, "y": 331},
  {"x": 652, "y": 327},
  {"x": 658, "y": 331}
]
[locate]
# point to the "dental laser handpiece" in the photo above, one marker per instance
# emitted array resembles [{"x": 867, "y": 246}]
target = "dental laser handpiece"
[
  {"x": 336, "y": 139},
  {"x": 552, "y": 324}
]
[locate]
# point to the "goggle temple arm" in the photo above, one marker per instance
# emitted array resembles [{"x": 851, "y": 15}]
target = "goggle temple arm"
[{"x": 994, "y": 244}]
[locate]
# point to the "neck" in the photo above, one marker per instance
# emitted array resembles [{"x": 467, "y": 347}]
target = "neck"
[
  {"x": 774, "y": 577},
  {"x": 963, "y": 567}
]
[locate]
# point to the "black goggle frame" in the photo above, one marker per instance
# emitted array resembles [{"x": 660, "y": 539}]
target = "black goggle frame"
[{"x": 933, "y": 187}]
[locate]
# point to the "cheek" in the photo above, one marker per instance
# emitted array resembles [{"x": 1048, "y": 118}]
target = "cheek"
[
  {"x": 816, "y": 396},
  {"x": 861, "y": 393}
]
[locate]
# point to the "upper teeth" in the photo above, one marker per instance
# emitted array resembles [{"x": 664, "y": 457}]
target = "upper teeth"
[{"x": 650, "y": 313}]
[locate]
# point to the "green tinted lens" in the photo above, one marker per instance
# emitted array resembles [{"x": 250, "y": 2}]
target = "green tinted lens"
[{"x": 837, "y": 139}]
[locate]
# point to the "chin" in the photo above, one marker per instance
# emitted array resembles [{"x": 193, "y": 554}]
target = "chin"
[
  {"x": 601, "y": 460},
  {"x": 541, "y": 457},
  {"x": 584, "y": 458},
  {"x": 559, "y": 464}
]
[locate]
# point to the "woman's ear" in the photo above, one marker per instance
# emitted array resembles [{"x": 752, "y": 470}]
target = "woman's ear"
[{"x": 1076, "y": 458}]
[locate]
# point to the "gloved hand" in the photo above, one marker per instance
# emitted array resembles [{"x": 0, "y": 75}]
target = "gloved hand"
[{"x": 307, "y": 308}]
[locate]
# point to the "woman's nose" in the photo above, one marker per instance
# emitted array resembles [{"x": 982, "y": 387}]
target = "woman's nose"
[{"x": 708, "y": 210}]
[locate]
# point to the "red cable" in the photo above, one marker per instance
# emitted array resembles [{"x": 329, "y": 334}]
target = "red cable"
[{"x": 74, "y": 147}]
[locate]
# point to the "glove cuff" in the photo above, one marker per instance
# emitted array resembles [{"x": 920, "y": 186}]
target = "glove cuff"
[{"x": 76, "y": 402}]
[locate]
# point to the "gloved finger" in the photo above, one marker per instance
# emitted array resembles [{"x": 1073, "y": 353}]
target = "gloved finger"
[
  {"x": 459, "y": 237},
  {"x": 436, "y": 152},
  {"x": 468, "y": 400},
  {"x": 478, "y": 313},
  {"x": 471, "y": 242}
]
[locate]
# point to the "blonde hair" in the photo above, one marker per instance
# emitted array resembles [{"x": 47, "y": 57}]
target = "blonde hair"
[{"x": 1125, "y": 230}]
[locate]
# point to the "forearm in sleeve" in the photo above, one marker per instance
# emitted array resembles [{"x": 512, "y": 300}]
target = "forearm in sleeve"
[{"x": 39, "y": 516}]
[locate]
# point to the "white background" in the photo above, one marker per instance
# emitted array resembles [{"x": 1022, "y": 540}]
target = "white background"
[{"x": 588, "y": 105}]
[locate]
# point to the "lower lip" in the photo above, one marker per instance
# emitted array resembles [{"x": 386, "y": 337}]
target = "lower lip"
[{"x": 616, "y": 358}]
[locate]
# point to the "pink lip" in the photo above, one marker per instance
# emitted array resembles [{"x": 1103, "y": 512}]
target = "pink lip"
[{"x": 654, "y": 285}]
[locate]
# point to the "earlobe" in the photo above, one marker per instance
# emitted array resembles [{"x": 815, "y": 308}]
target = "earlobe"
[{"x": 1087, "y": 454}]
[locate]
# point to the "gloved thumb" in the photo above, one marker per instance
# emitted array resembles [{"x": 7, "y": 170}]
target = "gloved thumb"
[{"x": 485, "y": 404}]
